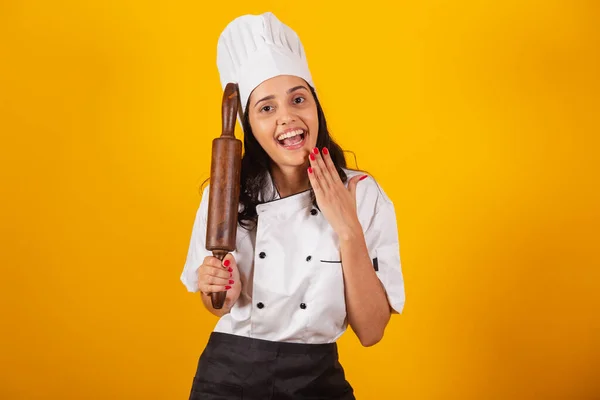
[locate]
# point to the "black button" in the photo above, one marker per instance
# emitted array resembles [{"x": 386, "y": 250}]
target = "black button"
[
  {"x": 260, "y": 305},
  {"x": 262, "y": 254},
  {"x": 308, "y": 258},
  {"x": 303, "y": 306},
  {"x": 314, "y": 212}
]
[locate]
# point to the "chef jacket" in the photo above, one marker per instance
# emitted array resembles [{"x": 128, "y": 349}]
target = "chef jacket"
[{"x": 291, "y": 268}]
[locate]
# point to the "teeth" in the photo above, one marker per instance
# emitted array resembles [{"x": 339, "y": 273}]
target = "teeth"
[{"x": 290, "y": 134}]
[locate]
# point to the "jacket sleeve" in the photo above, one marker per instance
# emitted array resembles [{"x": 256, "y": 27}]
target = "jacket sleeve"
[
  {"x": 378, "y": 218},
  {"x": 197, "y": 250}
]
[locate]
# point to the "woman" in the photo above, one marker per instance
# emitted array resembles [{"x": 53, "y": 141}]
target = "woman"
[{"x": 317, "y": 244}]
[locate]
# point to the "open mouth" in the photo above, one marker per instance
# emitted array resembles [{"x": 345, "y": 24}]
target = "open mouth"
[{"x": 292, "y": 140}]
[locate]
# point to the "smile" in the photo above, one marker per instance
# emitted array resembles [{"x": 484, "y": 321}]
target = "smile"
[{"x": 292, "y": 139}]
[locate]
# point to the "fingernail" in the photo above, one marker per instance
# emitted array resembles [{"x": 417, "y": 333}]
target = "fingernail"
[
  {"x": 310, "y": 169},
  {"x": 226, "y": 263},
  {"x": 316, "y": 151},
  {"x": 363, "y": 177},
  {"x": 231, "y": 281},
  {"x": 230, "y": 269},
  {"x": 325, "y": 151},
  {"x": 227, "y": 287},
  {"x": 312, "y": 156},
  {"x": 230, "y": 275}
]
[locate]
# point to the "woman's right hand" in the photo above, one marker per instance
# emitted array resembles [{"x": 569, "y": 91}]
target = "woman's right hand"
[{"x": 216, "y": 276}]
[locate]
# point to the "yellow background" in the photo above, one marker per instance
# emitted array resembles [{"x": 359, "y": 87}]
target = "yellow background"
[{"x": 480, "y": 120}]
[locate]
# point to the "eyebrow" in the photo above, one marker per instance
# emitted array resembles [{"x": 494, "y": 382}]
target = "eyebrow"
[{"x": 270, "y": 97}]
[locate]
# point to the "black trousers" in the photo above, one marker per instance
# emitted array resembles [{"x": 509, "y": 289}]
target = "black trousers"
[{"x": 233, "y": 367}]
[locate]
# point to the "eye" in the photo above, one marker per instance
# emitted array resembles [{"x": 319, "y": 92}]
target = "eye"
[
  {"x": 299, "y": 100},
  {"x": 266, "y": 109}
]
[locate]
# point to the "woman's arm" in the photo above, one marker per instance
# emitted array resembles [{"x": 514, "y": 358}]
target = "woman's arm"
[{"x": 366, "y": 303}]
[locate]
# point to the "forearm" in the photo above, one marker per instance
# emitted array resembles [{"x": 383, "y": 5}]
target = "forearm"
[{"x": 366, "y": 303}]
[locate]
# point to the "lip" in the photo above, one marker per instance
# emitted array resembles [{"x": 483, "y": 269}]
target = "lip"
[
  {"x": 289, "y": 130},
  {"x": 296, "y": 146}
]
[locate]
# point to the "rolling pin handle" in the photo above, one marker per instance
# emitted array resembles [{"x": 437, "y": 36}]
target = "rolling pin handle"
[{"x": 218, "y": 298}]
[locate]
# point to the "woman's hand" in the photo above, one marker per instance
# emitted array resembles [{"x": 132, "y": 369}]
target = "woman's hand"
[
  {"x": 216, "y": 276},
  {"x": 337, "y": 202}
]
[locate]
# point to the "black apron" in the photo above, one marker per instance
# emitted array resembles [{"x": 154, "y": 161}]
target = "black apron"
[{"x": 234, "y": 367}]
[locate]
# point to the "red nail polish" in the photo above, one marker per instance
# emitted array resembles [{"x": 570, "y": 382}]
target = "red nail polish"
[
  {"x": 231, "y": 281},
  {"x": 310, "y": 170},
  {"x": 316, "y": 151},
  {"x": 312, "y": 156},
  {"x": 227, "y": 287},
  {"x": 230, "y": 269},
  {"x": 325, "y": 151},
  {"x": 363, "y": 177},
  {"x": 226, "y": 263}
]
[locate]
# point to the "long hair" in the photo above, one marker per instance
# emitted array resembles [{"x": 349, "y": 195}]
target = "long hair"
[{"x": 255, "y": 166}]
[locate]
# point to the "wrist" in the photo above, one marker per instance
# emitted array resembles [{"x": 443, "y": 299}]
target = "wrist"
[{"x": 350, "y": 232}]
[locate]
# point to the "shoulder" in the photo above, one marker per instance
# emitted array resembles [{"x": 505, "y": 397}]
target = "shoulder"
[
  {"x": 375, "y": 210},
  {"x": 206, "y": 190},
  {"x": 369, "y": 193},
  {"x": 202, "y": 210},
  {"x": 204, "y": 196}
]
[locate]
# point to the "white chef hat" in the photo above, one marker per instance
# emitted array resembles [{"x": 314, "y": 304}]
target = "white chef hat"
[{"x": 254, "y": 48}]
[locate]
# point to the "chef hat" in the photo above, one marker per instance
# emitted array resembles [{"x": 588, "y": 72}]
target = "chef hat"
[{"x": 254, "y": 48}]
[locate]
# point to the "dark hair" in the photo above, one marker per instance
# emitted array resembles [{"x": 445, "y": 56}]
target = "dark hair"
[{"x": 256, "y": 163}]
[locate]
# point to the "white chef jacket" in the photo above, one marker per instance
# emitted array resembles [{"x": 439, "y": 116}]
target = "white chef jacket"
[{"x": 291, "y": 269}]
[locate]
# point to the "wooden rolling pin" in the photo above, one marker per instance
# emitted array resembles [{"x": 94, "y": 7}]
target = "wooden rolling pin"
[{"x": 224, "y": 192}]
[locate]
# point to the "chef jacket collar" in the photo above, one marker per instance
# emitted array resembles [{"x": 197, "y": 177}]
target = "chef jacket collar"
[{"x": 281, "y": 207}]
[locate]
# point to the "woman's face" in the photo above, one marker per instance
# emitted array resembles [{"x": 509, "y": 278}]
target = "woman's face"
[{"x": 283, "y": 117}]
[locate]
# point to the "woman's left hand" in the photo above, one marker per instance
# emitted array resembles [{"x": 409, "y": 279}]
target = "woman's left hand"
[{"x": 337, "y": 203}]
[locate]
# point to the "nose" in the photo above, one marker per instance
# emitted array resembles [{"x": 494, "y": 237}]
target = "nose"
[{"x": 285, "y": 115}]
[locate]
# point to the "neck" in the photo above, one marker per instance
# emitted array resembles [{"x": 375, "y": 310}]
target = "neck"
[{"x": 290, "y": 180}]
